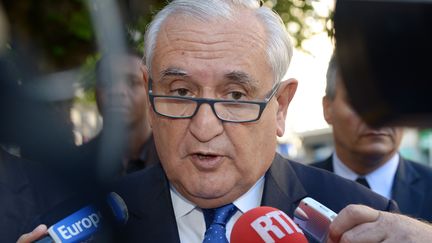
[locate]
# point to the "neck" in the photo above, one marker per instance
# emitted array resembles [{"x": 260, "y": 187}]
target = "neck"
[
  {"x": 138, "y": 135},
  {"x": 363, "y": 164}
]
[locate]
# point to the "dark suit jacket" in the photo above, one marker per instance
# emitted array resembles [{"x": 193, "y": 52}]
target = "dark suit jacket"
[
  {"x": 87, "y": 155},
  {"x": 26, "y": 190},
  {"x": 411, "y": 187},
  {"x": 152, "y": 219}
]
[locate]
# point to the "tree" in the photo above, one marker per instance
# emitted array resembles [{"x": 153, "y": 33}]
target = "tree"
[{"x": 61, "y": 34}]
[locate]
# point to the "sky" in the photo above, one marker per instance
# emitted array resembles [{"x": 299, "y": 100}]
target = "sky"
[{"x": 305, "y": 111}]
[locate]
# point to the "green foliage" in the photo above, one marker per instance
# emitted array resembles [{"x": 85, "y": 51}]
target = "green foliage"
[
  {"x": 79, "y": 26},
  {"x": 297, "y": 15},
  {"x": 137, "y": 29},
  {"x": 87, "y": 80},
  {"x": 62, "y": 32},
  {"x": 294, "y": 13}
]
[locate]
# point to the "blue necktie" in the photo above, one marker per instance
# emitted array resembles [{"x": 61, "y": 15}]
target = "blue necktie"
[{"x": 216, "y": 219}]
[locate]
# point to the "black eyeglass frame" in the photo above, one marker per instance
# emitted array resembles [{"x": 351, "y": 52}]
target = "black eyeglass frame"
[{"x": 211, "y": 102}]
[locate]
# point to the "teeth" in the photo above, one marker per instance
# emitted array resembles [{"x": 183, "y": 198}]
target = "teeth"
[{"x": 203, "y": 156}]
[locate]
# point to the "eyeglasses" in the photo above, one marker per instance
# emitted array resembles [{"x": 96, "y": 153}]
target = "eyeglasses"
[{"x": 179, "y": 107}]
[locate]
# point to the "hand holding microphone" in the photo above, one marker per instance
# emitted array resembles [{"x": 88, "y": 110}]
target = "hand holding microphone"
[
  {"x": 37, "y": 233},
  {"x": 80, "y": 225},
  {"x": 359, "y": 223}
]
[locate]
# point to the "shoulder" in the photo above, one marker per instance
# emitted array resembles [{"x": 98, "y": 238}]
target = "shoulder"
[
  {"x": 336, "y": 192},
  {"x": 424, "y": 170},
  {"x": 141, "y": 187},
  {"x": 323, "y": 164},
  {"x": 29, "y": 189}
]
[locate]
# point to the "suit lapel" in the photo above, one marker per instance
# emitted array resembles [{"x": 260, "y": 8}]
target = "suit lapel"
[
  {"x": 153, "y": 214},
  {"x": 328, "y": 164},
  {"x": 282, "y": 189},
  {"x": 408, "y": 188}
]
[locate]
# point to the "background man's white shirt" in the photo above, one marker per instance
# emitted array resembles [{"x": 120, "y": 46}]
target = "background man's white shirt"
[{"x": 380, "y": 180}]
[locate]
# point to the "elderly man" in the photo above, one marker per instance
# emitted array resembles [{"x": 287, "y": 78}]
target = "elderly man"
[
  {"x": 214, "y": 74},
  {"x": 370, "y": 156}
]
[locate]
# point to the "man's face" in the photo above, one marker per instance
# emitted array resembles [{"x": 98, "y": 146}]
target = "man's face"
[
  {"x": 127, "y": 96},
  {"x": 353, "y": 137},
  {"x": 208, "y": 161}
]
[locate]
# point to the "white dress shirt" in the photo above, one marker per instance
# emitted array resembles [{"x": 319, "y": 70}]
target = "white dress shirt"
[
  {"x": 380, "y": 180},
  {"x": 190, "y": 219}
]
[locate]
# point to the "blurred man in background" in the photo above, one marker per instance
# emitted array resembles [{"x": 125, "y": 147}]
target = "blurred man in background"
[
  {"x": 370, "y": 156},
  {"x": 127, "y": 99},
  {"x": 27, "y": 188}
]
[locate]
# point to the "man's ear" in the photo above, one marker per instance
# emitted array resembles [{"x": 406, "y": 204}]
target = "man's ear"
[
  {"x": 327, "y": 109},
  {"x": 146, "y": 78},
  {"x": 145, "y": 75},
  {"x": 284, "y": 96}
]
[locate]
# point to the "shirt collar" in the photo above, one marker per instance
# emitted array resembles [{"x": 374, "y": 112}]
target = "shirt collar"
[
  {"x": 380, "y": 180},
  {"x": 251, "y": 199}
]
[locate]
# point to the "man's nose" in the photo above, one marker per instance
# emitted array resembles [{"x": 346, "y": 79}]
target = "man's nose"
[
  {"x": 205, "y": 125},
  {"x": 119, "y": 88}
]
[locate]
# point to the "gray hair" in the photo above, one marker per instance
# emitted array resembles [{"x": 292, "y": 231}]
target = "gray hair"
[
  {"x": 279, "y": 46},
  {"x": 332, "y": 72}
]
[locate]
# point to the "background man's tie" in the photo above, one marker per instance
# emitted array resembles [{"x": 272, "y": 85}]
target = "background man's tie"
[
  {"x": 363, "y": 181},
  {"x": 216, "y": 219}
]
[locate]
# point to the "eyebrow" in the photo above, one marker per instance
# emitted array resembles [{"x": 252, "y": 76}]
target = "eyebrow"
[
  {"x": 242, "y": 78},
  {"x": 234, "y": 76},
  {"x": 173, "y": 71}
]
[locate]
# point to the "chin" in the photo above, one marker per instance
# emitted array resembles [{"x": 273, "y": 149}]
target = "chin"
[
  {"x": 377, "y": 153},
  {"x": 209, "y": 191}
]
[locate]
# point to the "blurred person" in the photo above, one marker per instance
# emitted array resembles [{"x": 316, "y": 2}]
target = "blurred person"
[
  {"x": 214, "y": 74},
  {"x": 383, "y": 48},
  {"x": 370, "y": 155},
  {"x": 127, "y": 99},
  {"x": 48, "y": 137},
  {"x": 26, "y": 187},
  {"x": 32, "y": 177}
]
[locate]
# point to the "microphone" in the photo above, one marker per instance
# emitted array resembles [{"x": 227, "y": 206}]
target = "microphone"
[
  {"x": 84, "y": 223},
  {"x": 266, "y": 224}
]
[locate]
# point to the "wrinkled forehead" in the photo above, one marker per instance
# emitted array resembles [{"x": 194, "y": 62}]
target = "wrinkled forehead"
[
  {"x": 243, "y": 22},
  {"x": 238, "y": 42}
]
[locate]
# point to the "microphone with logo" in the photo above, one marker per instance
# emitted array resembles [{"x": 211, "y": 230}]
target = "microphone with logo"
[
  {"x": 84, "y": 223},
  {"x": 266, "y": 224}
]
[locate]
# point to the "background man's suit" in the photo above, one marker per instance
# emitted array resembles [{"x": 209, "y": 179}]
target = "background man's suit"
[
  {"x": 27, "y": 189},
  {"x": 412, "y": 187},
  {"x": 152, "y": 219}
]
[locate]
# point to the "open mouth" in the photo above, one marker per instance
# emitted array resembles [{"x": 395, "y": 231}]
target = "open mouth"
[
  {"x": 206, "y": 156},
  {"x": 206, "y": 161}
]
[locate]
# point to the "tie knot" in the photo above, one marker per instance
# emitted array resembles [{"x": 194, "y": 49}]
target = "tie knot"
[
  {"x": 216, "y": 219},
  {"x": 363, "y": 181},
  {"x": 219, "y": 215}
]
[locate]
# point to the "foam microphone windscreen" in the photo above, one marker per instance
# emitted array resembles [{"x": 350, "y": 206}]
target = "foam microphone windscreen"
[{"x": 266, "y": 224}]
